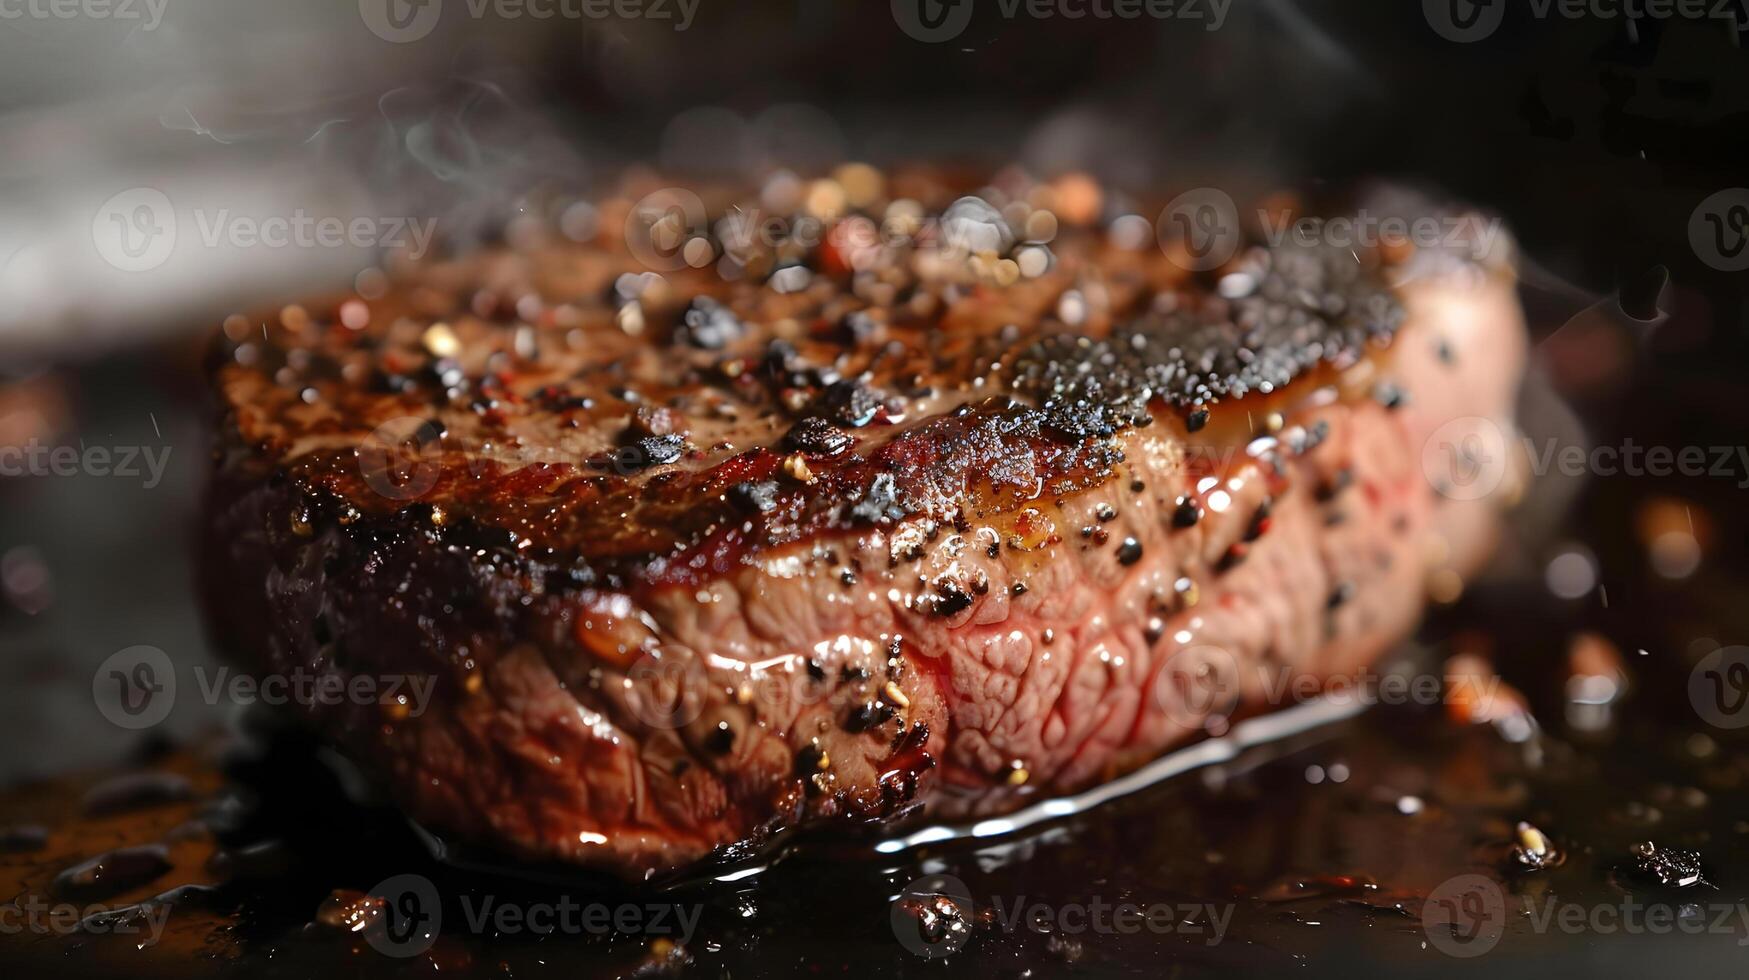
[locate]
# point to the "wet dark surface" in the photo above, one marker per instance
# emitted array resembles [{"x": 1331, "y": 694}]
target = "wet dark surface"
[
  {"x": 1318, "y": 855},
  {"x": 1300, "y": 855}
]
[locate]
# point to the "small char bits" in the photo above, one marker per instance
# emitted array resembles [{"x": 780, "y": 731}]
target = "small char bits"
[
  {"x": 869, "y": 714},
  {"x": 817, "y": 436},
  {"x": 1666, "y": 867},
  {"x": 655, "y": 451},
  {"x": 754, "y": 496},
  {"x": 709, "y": 325},
  {"x": 951, "y": 599},
  {"x": 849, "y": 403}
]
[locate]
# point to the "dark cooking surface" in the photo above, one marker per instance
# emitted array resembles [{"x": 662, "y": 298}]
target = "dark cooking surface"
[{"x": 1292, "y": 857}]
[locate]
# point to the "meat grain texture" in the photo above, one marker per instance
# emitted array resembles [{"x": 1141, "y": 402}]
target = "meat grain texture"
[{"x": 871, "y": 531}]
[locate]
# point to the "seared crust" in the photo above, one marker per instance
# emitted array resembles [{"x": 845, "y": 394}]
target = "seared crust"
[
  {"x": 562, "y": 399},
  {"x": 697, "y": 560}
]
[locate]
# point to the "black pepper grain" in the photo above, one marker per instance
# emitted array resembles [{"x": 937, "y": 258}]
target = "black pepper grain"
[
  {"x": 721, "y": 739},
  {"x": 1340, "y": 595},
  {"x": 1186, "y": 514}
]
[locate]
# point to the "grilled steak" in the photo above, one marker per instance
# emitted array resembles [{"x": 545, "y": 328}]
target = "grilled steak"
[{"x": 946, "y": 521}]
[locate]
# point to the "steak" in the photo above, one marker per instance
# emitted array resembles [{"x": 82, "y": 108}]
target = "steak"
[{"x": 925, "y": 524}]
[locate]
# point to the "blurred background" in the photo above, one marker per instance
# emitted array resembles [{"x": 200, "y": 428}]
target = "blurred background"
[{"x": 137, "y": 136}]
